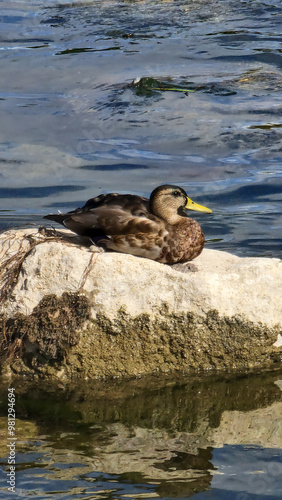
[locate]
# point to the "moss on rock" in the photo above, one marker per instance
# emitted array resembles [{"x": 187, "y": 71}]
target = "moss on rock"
[
  {"x": 48, "y": 333},
  {"x": 133, "y": 346},
  {"x": 60, "y": 332}
]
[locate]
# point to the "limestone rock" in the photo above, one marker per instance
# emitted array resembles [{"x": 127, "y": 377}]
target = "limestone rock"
[{"x": 219, "y": 311}]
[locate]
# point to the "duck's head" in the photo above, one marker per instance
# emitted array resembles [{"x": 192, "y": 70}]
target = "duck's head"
[{"x": 168, "y": 203}]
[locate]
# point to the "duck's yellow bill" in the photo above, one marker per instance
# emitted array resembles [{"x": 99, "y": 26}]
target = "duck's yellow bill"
[{"x": 191, "y": 205}]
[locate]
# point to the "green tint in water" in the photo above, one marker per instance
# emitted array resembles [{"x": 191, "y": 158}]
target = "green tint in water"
[
  {"x": 157, "y": 437},
  {"x": 147, "y": 86}
]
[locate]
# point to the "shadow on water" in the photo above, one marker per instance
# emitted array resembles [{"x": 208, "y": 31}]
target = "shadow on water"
[
  {"x": 171, "y": 403},
  {"x": 156, "y": 435}
]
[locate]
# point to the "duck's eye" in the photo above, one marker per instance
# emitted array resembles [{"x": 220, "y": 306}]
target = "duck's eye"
[{"x": 176, "y": 193}]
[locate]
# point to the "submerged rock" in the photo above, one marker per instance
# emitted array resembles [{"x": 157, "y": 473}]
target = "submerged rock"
[{"x": 71, "y": 310}]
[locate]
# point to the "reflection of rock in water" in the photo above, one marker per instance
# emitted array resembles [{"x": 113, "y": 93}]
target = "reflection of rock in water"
[
  {"x": 182, "y": 464},
  {"x": 156, "y": 456},
  {"x": 155, "y": 431},
  {"x": 262, "y": 427},
  {"x": 190, "y": 405}
]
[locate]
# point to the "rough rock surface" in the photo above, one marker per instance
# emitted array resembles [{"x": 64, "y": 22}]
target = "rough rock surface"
[{"x": 110, "y": 314}]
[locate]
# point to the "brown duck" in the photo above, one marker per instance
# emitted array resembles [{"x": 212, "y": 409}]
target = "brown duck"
[{"x": 158, "y": 228}]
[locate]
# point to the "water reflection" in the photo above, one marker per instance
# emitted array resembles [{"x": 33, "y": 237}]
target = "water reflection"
[{"x": 157, "y": 436}]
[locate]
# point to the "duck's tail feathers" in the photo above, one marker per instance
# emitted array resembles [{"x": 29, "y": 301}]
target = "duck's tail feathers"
[{"x": 56, "y": 217}]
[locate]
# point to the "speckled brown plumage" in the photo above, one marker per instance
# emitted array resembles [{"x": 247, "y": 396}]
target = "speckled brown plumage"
[{"x": 158, "y": 228}]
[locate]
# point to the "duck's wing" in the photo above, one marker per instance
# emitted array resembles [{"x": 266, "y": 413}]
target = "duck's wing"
[
  {"x": 110, "y": 214},
  {"x": 111, "y": 221},
  {"x": 131, "y": 203}
]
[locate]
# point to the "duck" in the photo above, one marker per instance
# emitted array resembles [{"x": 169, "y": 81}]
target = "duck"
[{"x": 157, "y": 228}]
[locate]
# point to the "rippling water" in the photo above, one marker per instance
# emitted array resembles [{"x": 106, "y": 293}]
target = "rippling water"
[
  {"x": 203, "y": 437},
  {"x": 72, "y": 125}
]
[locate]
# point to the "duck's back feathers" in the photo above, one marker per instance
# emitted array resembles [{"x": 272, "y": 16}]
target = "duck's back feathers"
[{"x": 131, "y": 203}]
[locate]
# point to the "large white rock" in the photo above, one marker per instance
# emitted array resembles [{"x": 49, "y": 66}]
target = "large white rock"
[{"x": 243, "y": 291}]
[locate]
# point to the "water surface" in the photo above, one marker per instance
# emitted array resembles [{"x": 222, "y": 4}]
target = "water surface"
[
  {"x": 157, "y": 437},
  {"x": 72, "y": 125}
]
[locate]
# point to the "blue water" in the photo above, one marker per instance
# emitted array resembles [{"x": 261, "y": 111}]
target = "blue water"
[{"x": 72, "y": 126}]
